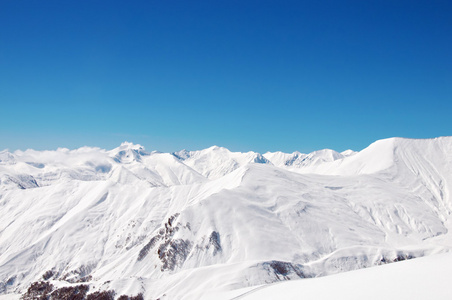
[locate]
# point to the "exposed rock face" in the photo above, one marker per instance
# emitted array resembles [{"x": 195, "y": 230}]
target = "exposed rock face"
[
  {"x": 71, "y": 293},
  {"x": 46, "y": 291},
  {"x": 173, "y": 253},
  {"x": 137, "y": 297},
  {"x": 284, "y": 270},
  {"x": 145, "y": 250},
  {"x": 214, "y": 242},
  {"x": 104, "y": 295},
  {"x": 38, "y": 290}
]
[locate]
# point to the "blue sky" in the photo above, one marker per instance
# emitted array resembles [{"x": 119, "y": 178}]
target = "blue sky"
[{"x": 246, "y": 75}]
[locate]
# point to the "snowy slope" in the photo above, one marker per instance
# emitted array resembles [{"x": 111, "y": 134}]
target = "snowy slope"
[
  {"x": 423, "y": 278},
  {"x": 191, "y": 224}
]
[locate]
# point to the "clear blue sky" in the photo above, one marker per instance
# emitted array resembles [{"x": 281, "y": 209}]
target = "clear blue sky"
[{"x": 246, "y": 75}]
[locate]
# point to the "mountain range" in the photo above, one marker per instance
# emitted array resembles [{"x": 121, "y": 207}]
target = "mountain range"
[{"x": 201, "y": 224}]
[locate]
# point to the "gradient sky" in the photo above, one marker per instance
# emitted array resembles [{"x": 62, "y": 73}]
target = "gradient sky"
[{"x": 246, "y": 75}]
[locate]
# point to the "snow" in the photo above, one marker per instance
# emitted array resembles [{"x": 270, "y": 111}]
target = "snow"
[
  {"x": 422, "y": 278},
  {"x": 210, "y": 223}
]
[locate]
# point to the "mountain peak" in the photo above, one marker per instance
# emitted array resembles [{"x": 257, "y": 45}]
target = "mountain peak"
[
  {"x": 128, "y": 145},
  {"x": 128, "y": 152},
  {"x": 6, "y": 157},
  {"x": 217, "y": 148}
]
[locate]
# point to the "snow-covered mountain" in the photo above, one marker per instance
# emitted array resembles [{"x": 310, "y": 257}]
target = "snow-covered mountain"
[{"x": 195, "y": 224}]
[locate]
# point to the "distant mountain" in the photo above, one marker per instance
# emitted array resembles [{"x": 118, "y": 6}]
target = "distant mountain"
[{"x": 194, "y": 224}]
